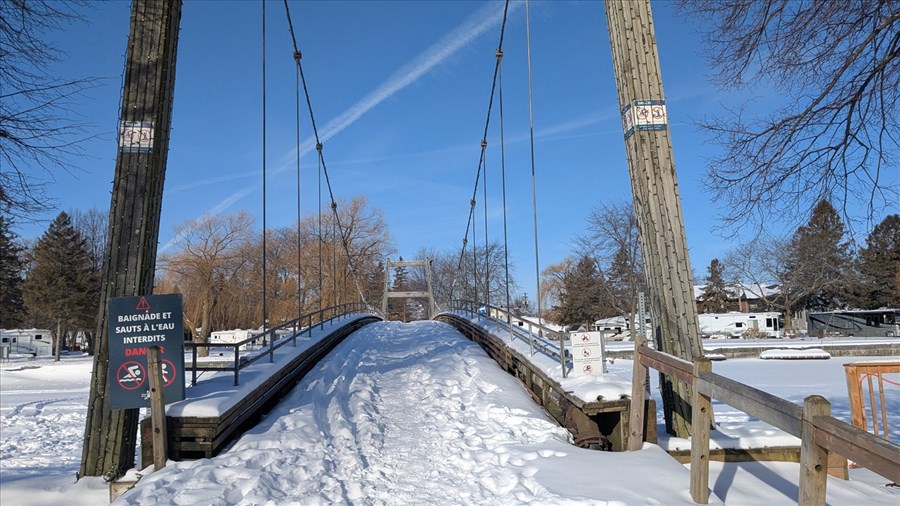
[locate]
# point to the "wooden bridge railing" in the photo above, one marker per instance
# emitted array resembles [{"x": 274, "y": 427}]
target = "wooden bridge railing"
[
  {"x": 305, "y": 323},
  {"x": 818, "y": 431}
]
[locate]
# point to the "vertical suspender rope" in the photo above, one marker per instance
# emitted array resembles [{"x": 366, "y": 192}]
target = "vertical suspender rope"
[
  {"x": 264, "y": 315},
  {"x": 321, "y": 238},
  {"x": 334, "y": 275},
  {"x": 487, "y": 260},
  {"x": 537, "y": 263},
  {"x": 503, "y": 180},
  {"x": 297, "y": 57},
  {"x": 474, "y": 248}
]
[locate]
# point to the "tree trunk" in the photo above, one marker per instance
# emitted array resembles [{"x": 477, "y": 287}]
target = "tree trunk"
[
  {"x": 128, "y": 268},
  {"x": 657, "y": 204}
]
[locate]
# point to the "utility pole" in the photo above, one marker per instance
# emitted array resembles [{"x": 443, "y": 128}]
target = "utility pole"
[
  {"x": 110, "y": 436},
  {"x": 654, "y": 186}
]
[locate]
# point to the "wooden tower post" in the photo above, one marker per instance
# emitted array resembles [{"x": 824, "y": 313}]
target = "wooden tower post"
[
  {"x": 654, "y": 187},
  {"x": 110, "y": 436}
]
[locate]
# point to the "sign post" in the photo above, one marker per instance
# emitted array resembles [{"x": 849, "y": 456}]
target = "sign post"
[
  {"x": 157, "y": 410},
  {"x": 135, "y": 325}
]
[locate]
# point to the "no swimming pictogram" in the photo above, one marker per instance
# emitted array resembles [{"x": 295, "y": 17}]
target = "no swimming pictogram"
[{"x": 131, "y": 375}]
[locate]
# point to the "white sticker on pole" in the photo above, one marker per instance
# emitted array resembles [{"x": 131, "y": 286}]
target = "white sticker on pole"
[
  {"x": 644, "y": 115},
  {"x": 136, "y": 136},
  {"x": 587, "y": 354}
]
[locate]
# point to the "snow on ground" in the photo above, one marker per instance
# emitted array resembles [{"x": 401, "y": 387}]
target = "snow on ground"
[
  {"x": 411, "y": 414},
  {"x": 407, "y": 414}
]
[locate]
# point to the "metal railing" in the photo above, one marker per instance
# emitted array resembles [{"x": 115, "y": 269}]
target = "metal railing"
[
  {"x": 271, "y": 340},
  {"x": 536, "y": 336}
]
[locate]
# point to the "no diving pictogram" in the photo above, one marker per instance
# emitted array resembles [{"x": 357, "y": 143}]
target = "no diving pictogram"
[
  {"x": 169, "y": 372},
  {"x": 131, "y": 375}
]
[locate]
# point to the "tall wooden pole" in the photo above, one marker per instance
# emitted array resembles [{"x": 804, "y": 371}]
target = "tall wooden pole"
[
  {"x": 654, "y": 186},
  {"x": 110, "y": 435}
]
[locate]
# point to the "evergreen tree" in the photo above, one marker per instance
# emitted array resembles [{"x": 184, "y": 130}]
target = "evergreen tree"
[
  {"x": 581, "y": 300},
  {"x": 12, "y": 309},
  {"x": 714, "y": 298},
  {"x": 879, "y": 266},
  {"x": 820, "y": 262},
  {"x": 60, "y": 289}
]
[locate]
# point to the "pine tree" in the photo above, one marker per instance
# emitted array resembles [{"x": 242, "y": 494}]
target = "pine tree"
[
  {"x": 820, "y": 260},
  {"x": 879, "y": 266},
  {"x": 715, "y": 294},
  {"x": 60, "y": 289},
  {"x": 12, "y": 308},
  {"x": 581, "y": 301}
]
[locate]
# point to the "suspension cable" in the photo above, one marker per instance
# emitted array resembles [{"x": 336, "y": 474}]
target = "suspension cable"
[
  {"x": 470, "y": 221},
  {"x": 344, "y": 240}
]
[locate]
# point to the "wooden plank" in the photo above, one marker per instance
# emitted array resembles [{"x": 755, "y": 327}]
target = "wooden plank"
[
  {"x": 157, "y": 410},
  {"x": 668, "y": 364},
  {"x": 762, "y": 405},
  {"x": 867, "y": 450},
  {"x": 701, "y": 418},
  {"x": 638, "y": 391},
  {"x": 813, "y": 456}
]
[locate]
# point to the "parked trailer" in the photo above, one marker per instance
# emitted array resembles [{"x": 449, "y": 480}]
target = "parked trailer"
[
  {"x": 741, "y": 325},
  {"x": 859, "y": 323}
]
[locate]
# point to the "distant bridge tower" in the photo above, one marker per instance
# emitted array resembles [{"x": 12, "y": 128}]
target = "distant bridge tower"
[{"x": 388, "y": 294}]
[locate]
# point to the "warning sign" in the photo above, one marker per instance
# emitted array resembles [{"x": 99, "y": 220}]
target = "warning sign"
[
  {"x": 136, "y": 324},
  {"x": 587, "y": 353}
]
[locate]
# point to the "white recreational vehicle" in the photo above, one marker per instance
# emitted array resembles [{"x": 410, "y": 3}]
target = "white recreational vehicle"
[
  {"x": 741, "y": 325},
  {"x": 37, "y": 342}
]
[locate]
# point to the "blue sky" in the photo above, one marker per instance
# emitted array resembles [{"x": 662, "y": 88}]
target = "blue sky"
[{"x": 400, "y": 92}]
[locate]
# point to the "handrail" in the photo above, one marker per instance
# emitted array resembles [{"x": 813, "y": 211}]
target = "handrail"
[
  {"x": 313, "y": 319},
  {"x": 540, "y": 343},
  {"x": 819, "y": 432}
]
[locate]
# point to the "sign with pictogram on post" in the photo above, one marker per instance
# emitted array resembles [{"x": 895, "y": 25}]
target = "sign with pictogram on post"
[{"x": 136, "y": 324}]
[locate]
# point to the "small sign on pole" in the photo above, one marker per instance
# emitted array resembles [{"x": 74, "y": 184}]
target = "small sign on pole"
[
  {"x": 587, "y": 353},
  {"x": 136, "y": 324}
]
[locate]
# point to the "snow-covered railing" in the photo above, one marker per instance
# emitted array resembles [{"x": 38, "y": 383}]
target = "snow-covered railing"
[
  {"x": 305, "y": 323},
  {"x": 535, "y": 336},
  {"x": 819, "y": 432}
]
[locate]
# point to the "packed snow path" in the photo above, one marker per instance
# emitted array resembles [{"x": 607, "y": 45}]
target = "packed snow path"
[{"x": 411, "y": 414}]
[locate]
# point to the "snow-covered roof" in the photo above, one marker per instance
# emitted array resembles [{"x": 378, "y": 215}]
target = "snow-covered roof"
[{"x": 744, "y": 291}]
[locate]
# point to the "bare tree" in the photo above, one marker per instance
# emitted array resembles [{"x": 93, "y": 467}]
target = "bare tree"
[
  {"x": 208, "y": 247},
  {"x": 762, "y": 264},
  {"x": 553, "y": 285},
  {"x": 612, "y": 239},
  {"x": 36, "y": 130},
  {"x": 837, "y": 65}
]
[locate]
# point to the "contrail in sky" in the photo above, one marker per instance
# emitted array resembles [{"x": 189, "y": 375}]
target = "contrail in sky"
[
  {"x": 486, "y": 18},
  {"x": 473, "y": 27}
]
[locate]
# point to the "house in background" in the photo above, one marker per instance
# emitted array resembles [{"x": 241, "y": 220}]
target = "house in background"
[
  {"x": 36, "y": 342},
  {"x": 745, "y": 298}
]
